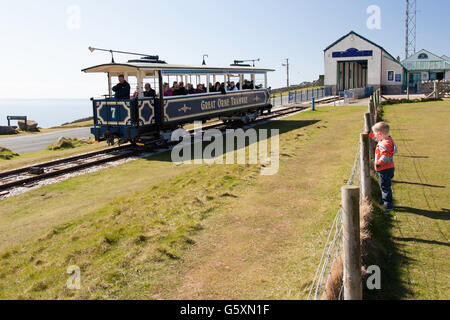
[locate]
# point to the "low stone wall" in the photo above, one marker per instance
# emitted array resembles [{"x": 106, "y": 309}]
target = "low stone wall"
[{"x": 392, "y": 89}]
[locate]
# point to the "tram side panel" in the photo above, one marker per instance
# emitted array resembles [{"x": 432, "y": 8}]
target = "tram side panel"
[
  {"x": 132, "y": 118},
  {"x": 188, "y": 109},
  {"x": 113, "y": 118}
]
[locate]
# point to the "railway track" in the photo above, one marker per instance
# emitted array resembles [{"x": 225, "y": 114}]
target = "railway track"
[{"x": 29, "y": 176}]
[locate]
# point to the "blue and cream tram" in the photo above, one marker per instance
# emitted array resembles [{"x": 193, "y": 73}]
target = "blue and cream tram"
[{"x": 142, "y": 117}]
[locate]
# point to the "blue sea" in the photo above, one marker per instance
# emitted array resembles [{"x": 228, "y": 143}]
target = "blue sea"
[{"x": 46, "y": 112}]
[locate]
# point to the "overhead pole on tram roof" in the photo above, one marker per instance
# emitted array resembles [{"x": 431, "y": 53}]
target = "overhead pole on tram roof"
[{"x": 92, "y": 49}]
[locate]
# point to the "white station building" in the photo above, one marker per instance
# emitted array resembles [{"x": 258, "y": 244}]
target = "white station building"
[{"x": 354, "y": 62}]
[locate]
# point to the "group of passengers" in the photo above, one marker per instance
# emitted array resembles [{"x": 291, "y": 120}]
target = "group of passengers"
[
  {"x": 122, "y": 89},
  {"x": 178, "y": 88}
]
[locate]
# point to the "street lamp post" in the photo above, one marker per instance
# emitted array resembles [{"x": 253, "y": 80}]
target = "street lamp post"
[{"x": 287, "y": 70}]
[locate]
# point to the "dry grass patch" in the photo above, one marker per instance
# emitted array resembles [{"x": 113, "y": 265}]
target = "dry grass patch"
[{"x": 195, "y": 231}]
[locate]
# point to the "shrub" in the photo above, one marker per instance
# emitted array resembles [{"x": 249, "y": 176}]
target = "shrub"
[{"x": 7, "y": 154}]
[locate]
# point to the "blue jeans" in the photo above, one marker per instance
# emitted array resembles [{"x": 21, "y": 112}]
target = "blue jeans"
[{"x": 385, "y": 177}]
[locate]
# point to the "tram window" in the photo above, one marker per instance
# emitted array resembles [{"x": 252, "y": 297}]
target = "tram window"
[
  {"x": 132, "y": 81},
  {"x": 247, "y": 84},
  {"x": 154, "y": 85},
  {"x": 259, "y": 81}
]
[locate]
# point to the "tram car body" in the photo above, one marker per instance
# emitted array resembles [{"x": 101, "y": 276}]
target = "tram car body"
[{"x": 139, "y": 118}]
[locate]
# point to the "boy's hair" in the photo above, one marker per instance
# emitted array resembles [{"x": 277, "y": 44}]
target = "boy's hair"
[{"x": 382, "y": 127}]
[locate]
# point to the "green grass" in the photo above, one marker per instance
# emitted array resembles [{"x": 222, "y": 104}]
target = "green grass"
[
  {"x": 29, "y": 158},
  {"x": 6, "y": 154},
  {"x": 151, "y": 229},
  {"x": 68, "y": 143},
  {"x": 87, "y": 123},
  {"x": 415, "y": 236}
]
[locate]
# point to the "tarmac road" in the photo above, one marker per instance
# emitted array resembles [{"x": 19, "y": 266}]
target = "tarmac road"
[{"x": 40, "y": 141}]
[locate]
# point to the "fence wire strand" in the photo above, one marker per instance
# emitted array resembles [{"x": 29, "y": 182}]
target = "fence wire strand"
[{"x": 333, "y": 247}]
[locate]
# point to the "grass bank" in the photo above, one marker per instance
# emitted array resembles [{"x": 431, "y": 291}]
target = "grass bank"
[
  {"x": 77, "y": 124},
  {"x": 151, "y": 229},
  {"x": 415, "y": 237},
  {"x": 29, "y": 158}
]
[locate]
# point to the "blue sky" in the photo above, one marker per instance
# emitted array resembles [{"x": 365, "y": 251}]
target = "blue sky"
[{"x": 41, "y": 57}]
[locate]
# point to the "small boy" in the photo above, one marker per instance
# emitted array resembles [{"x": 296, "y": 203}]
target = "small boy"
[{"x": 384, "y": 161}]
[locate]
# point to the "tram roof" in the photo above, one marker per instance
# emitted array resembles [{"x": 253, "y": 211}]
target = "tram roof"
[{"x": 171, "y": 69}]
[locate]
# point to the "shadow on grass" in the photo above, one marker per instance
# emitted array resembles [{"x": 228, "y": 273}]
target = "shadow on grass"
[
  {"x": 283, "y": 126},
  {"x": 423, "y": 241},
  {"x": 444, "y": 214},
  {"x": 419, "y": 184},
  {"x": 413, "y": 157},
  {"x": 388, "y": 254}
]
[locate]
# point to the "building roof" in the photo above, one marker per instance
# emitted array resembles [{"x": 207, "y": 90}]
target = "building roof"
[
  {"x": 356, "y": 34},
  {"x": 424, "y": 60}
]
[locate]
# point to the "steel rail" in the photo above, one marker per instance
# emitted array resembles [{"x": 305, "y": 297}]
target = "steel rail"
[{"x": 53, "y": 170}]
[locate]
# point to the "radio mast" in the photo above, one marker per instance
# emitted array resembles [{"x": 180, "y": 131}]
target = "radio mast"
[{"x": 410, "y": 26}]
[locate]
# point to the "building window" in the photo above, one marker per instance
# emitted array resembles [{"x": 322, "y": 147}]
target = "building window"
[
  {"x": 422, "y": 56},
  {"x": 390, "y": 75}
]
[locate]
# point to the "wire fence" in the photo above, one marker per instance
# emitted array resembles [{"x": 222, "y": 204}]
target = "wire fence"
[
  {"x": 299, "y": 96},
  {"x": 328, "y": 282},
  {"x": 332, "y": 248}
]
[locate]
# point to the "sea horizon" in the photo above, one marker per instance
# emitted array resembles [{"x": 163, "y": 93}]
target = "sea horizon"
[{"x": 47, "y": 112}]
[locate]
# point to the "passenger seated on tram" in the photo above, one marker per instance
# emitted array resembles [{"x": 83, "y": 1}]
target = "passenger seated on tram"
[
  {"x": 135, "y": 94},
  {"x": 166, "y": 90},
  {"x": 180, "y": 90},
  {"x": 200, "y": 88},
  {"x": 222, "y": 88},
  {"x": 248, "y": 85},
  {"x": 233, "y": 87},
  {"x": 212, "y": 88},
  {"x": 122, "y": 89},
  {"x": 190, "y": 88},
  {"x": 217, "y": 87},
  {"x": 149, "y": 92}
]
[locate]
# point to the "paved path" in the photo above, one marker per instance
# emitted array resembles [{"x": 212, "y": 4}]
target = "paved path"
[{"x": 39, "y": 141}]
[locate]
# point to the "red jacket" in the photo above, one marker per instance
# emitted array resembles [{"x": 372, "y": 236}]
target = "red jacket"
[{"x": 384, "y": 153}]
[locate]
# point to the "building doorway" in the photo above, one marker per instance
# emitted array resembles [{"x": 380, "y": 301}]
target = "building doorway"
[{"x": 351, "y": 74}]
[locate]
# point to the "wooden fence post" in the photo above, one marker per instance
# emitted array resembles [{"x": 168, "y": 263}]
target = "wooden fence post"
[
  {"x": 375, "y": 110},
  {"x": 364, "y": 166},
  {"x": 368, "y": 124},
  {"x": 370, "y": 109},
  {"x": 352, "y": 250},
  {"x": 436, "y": 89}
]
